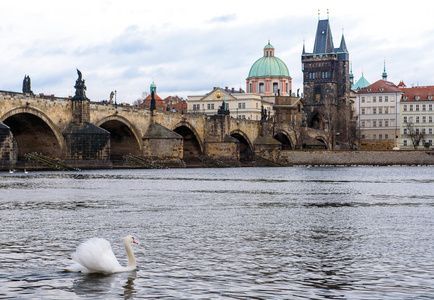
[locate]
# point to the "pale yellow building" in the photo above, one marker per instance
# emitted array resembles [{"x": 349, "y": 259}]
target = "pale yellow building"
[{"x": 241, "y": 105}]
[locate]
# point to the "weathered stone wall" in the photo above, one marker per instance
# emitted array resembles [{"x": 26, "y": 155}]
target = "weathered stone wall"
[
  {"x": 226, "y": 151},
  {"x": 161, "y": 149},
  {"x": 401, "y": 157}
]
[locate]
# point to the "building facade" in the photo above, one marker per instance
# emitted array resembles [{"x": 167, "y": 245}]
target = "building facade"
[
  {"x": 417, "y": 117},
  {"x": 378, "y": 115},
  {"x": 269, "y": 75},
  {"x": 326, "y": 76},
  {"x": 240, "y": 105}
]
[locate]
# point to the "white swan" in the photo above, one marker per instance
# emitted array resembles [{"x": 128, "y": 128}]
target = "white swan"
[{"x": 96, "y": 256}]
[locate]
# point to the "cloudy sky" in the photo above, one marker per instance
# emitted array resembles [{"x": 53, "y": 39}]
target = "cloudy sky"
[{"x": 188, "y": 47}]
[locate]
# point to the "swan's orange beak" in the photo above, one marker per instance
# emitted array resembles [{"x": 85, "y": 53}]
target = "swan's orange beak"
[{"x": 134, "y": 241}]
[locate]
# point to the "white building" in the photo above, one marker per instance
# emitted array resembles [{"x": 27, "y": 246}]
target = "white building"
[
  {"x": 241, "y": 105},
  {"x": 417, "y": 114},
  {"x": 378, "y": 114}
]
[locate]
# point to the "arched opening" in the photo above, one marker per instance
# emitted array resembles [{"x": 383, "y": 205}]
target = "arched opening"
[
  {"x": 284, "y": 140},
  {"x": 321, "y": 143},
  {"x": 246, "y": 153},
  {"x": 32, "y": 134},
  {"x": 122, "y": 140},
  {"x": 192, "y": 149},
  {"x": 315, "y": 121}
]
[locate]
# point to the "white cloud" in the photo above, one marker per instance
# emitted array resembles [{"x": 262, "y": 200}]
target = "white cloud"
[{"x": 188, "y": 47}]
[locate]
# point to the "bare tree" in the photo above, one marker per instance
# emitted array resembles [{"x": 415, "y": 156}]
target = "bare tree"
[{"x": 414, "y": 134}]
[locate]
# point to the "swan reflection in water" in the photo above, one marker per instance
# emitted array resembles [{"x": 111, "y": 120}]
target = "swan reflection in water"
[{"x": 97, "y": 285}]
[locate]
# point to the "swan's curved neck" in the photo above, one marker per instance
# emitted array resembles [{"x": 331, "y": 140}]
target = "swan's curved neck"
[{"x": 131, "y": 259}]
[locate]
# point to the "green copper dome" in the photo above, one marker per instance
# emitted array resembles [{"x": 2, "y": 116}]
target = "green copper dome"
[{"x": 268, "y": 65}]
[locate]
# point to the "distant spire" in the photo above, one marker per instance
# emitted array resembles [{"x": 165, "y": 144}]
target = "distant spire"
[
  {"x": 351, "y": 74},
  {"x": 304, "y": 47},
  {"x": 319, "y": 14},
  {"x": 384, "y": 71},
  {"x": 327, "y": 13}
]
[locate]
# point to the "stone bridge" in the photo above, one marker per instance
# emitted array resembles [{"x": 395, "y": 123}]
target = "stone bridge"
[{"x": 92, "y": 134}]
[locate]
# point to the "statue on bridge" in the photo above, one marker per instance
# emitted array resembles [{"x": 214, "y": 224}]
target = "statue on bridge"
[
  {"x": 80, "y": 88},
  {"x": 223, "y": 109},
  {"x": 26, "y": 85}
]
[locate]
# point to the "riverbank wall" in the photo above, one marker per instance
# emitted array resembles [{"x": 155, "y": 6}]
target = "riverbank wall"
[{"x": 350, "y": 158}]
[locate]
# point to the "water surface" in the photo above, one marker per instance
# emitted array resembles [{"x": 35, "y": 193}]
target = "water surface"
[{"x": 236, "y": 233}]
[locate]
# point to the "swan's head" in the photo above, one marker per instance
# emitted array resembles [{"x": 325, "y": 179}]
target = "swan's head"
[{"x": 130, "y": 239}]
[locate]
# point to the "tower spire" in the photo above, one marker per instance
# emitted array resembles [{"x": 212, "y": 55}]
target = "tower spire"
[{"x": 384, "y": 71}]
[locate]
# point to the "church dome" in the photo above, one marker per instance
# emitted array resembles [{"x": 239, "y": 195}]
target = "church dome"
[{"x": 268, "y": 65}]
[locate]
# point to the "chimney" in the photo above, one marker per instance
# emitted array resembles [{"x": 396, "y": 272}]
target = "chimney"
[
  {"x": 226, "y": 89},
  {"x": 233, "y": 90}
]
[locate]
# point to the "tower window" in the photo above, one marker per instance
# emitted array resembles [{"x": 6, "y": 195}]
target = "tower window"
[{"x": 261, "y": 87}]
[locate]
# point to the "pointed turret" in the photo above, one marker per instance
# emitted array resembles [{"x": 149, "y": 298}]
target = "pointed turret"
[{"x": 343, "y": 46}]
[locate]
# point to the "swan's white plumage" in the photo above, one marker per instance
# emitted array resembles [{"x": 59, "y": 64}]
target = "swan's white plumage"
[{"x": 96, "y": 256}]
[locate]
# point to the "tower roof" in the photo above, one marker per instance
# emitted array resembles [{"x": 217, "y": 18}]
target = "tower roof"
[
  {"x": 360, "y": 84},
  {"x": 323, "y": 39},
  {"x": 268, "y": 65}
]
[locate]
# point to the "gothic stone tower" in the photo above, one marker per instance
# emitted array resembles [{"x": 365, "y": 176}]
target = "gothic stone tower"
[{"x": 326, "y": 79}]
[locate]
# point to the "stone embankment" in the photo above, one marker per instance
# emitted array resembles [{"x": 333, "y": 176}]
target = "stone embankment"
[{"x": 350, "y": 158}]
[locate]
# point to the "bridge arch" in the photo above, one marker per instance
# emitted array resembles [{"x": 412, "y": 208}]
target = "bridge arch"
[
  {"x": 284, "y": 138},
  {"x": 124, "y": 137},
  {"x": 34, "y": 131},
  {"x": 193, "y": 145},
  {"x": 246, "y": 147}
]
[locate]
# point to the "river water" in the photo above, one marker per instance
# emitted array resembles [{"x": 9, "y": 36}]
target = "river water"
[{"x": 235, "y": 233}]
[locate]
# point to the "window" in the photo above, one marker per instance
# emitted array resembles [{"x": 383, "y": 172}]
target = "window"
[
  {"x": 275, "y": 87},
  {"x": 424, "y": 107},
  {"x": 386, "y": 98},
  {"x": 363, "y": 123},
  {"x": 417, "y": 119},
  {"x": 423, "y": 119},
  {"x": 256, "y": 104},
  {"x": 405, "y": 107},
  {"x": 210, "y": 106},
  {"x": 411, "y": 107},
  {"x": 380, "y": 99},
  {"x": 405, "y": 142},
  {"x": 363, "y": 99},
  {"x": 404, "y": 119},
  {"x": 380, "y": 123},
  {"x": 424, "y": 130},
  {"x": 374, "y": 136},
  {"x": 380, "y": 110},
  {"x": 430, "y": 119},
  {"x": 386, "y": 110},
  {"x": 261, "y": 87},
  {"x": 380, "y": 136},
  {"x": 196, "y": 106},
  {"x": 429, "y": 130},
  {"x": 386, "y": 123},
  {"x": 405, "y": 131},
  {"x": 417, "y": 107},
  {"x": 374, "y": 99},
  {"x": 374, "y": 123},
  {"x": 242, "y": 105},
  {"x": 374, "y": 110},
  {"x": 386, "y": 136},
  {"x": 430, "y": 107},
  {"x": 363, "y": 111}
]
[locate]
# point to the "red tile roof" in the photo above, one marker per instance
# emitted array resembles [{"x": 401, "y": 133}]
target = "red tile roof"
[
  {"x": 425, "y": 93},
  {"x": 380, "y": 86}
]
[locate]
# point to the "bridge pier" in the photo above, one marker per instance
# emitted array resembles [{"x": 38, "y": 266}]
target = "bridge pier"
[{"x": 7, "y": 152}]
